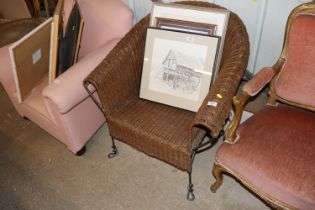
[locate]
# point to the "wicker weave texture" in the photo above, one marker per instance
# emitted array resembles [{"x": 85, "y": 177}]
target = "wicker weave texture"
[
  {"x": 161, "y": 131},
  {"x": 140, "y": 125}
]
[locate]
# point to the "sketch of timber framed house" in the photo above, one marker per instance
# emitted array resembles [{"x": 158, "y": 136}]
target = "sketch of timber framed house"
[{"x": 179, "y": 71}]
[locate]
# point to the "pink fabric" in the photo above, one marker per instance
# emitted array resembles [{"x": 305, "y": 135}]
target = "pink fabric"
[
  {"x": 104, "y": 20},
  {"x": 72, "y": 80},
  {"x": 36, "y": 101},
  {"x": 6, "y": 74},
  {"x": 78, "y": 131},
  {"x": 259, "y": 81},
  {"x": 63, "y": 108},
  {"x": 7, "y": 78},
  {"x": 275, "y": 153},
  {"x": 296, "y": 81}
]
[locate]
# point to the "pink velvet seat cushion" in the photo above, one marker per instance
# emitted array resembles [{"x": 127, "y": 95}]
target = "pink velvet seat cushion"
[{"x": 276, "y": 154}]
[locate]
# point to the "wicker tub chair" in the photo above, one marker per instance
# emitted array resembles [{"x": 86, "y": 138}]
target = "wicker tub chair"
[{"x": 170, "y": 134}]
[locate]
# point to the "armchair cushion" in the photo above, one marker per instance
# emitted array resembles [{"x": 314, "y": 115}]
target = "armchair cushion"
[{"x": 283, "y": 142}]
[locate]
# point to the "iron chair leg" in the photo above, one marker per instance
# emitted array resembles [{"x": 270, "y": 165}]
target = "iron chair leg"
[
  {"x": 81, "y": 151},
  {"x": 190, "y": 190},
  {"x": 114, "y": 150}
]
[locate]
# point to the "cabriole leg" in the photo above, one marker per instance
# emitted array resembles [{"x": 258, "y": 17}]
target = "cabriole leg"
[{"x": 217, "y": 173}]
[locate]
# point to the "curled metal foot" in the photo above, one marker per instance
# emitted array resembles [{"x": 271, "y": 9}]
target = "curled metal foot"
[
  {"x": 190, "y": 194},
  {"x": 114, "y": 150},
  {"x": 113, "y": 153}
]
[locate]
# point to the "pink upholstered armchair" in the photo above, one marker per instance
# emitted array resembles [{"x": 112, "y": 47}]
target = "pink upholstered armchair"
[
  {"x": 63, "y": 107},
  {"x": 273, "y": 152}
]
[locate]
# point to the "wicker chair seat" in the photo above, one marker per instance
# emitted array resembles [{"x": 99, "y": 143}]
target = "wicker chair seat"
[{"x": 158, "y": 130}]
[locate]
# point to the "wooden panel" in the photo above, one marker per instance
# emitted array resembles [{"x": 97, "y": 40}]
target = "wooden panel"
[
  {"x": 30, "y": 59},
  {"x": 56, "y": 30}
]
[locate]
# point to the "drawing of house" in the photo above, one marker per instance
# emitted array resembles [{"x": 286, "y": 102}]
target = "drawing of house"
[{"x": 179, "y": 71}]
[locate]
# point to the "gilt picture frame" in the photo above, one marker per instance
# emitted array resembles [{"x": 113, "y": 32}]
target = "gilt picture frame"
[{"x": 178, "y": 68}]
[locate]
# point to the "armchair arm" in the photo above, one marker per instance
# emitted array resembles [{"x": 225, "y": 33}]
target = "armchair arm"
[
  {"x": 233, "y": 65},
  {"x": 117, "y": 78},
  {"x": 67, "y": 91},
  {"x": 257, "y": 83}
]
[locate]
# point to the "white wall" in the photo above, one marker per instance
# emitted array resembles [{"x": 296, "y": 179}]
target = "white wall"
[{"x": 265, "y": 21}]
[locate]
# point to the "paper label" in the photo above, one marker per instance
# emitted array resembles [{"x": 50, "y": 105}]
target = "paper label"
[
  {"x": 212, "y": 103},
  {"x": 37, "y": 56}
]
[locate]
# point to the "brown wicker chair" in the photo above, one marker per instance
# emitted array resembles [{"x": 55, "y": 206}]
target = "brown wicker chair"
[
  {"x": 164, "y": 132},
  {"x": 273, "y": 152}
]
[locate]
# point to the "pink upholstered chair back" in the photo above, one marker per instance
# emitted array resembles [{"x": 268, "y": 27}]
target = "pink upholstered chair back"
[
  {"x": 296, "y": 81},
  {"x": 105, "y": 12}
]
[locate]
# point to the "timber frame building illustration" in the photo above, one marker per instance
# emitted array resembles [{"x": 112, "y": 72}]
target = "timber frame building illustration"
[{"x": 179, "y": 71}]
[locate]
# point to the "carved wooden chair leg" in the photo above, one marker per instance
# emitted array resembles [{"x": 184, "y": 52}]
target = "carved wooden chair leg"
[
  {"x": 190, "y": 190},
  {"x": 217, "y": 173},
  {"x": 114, "y": 150}
]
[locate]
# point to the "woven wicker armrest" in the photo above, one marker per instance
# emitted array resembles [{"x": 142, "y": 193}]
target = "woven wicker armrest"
[
  {"x": 233, "y": 65},
  {"x": 117, "y": 78}
]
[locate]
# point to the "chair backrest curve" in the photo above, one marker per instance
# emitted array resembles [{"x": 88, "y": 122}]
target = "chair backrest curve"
[{"x": 295, "y": 82}]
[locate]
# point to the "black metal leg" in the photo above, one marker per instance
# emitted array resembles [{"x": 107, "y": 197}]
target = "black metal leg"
[
  {"x": 190, "y": 190},
  {"x": 25, "y": 118},
  {"x": 81, "y": 151},
  {"x": 114, "y": 150}
]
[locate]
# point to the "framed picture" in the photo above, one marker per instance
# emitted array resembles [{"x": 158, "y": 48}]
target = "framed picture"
[
  {"x": 218, "y": 17},
  {"x": 186, "y": 26},
  {"x": 178, "y": 68},
  {"x": 212, "y": 16},
  {"x": 65, "y": 44},
  {"x": 30, "y": 59}
]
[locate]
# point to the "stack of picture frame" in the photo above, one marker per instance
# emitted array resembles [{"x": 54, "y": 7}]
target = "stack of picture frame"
[
  {"x": 183, "y": 50},
  {"x": 46, "y": 50}
]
